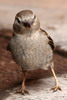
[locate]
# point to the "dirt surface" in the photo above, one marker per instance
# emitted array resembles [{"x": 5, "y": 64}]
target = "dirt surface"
[
  {"x": 39, "y": 90},
  {"x": 53, "y": 18}
]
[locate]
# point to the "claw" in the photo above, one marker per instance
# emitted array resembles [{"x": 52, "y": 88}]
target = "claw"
[
  {"x": 22, "y": 91},
  {"x": 56, "y": 88},
  {"x": 26, "y": 91}
]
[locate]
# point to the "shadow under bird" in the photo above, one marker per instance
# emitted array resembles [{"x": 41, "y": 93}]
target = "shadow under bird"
[{"x": 31, "y": 47}]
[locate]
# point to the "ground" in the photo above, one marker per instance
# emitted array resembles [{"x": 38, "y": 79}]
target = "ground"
[{"x": 39, "y": 90}]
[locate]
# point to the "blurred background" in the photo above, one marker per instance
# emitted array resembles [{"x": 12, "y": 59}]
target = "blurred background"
[
  {"x": 53, "y": 19},
  {"x": 52, "y": 15}
]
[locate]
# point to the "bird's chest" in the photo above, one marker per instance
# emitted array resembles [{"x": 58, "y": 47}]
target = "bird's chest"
[
  {"x": 31, "y": 50},
  {"x": 28, "y": 44}
]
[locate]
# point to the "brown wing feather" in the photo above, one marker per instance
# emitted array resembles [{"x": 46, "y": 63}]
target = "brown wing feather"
[{"x": 51, "y": 43}]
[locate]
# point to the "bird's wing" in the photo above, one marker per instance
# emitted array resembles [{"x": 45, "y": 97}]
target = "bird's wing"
[{"x": 51, "y": 43}]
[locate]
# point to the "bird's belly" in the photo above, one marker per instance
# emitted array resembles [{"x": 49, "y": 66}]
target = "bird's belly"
[{"x": 31, "y": 54}]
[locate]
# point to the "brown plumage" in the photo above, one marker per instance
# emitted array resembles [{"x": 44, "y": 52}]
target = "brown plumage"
[{"x": 31, "y": 47}]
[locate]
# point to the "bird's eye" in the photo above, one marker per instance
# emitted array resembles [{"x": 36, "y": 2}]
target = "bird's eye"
[{"x": 18, "y": 20}]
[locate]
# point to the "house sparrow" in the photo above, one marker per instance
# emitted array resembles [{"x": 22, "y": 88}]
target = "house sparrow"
[{"x": 31, "y": 47}]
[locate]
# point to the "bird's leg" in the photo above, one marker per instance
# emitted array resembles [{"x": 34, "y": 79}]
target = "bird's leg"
[
  {"x": 23, "y": 89},
  {"x": 57, "y": 86}
]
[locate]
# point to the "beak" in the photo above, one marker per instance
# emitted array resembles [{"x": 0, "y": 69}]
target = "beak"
[{"x": 27, "y": 24}]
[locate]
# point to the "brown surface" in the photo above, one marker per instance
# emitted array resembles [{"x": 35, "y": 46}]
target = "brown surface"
[
  {"x": 11, "y": 74},
  {"x": 40, "y": 3}
]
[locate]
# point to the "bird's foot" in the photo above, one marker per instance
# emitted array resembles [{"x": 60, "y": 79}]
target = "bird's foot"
[
  {"x": 23, "y": 91},
  {"x": 56, "y": 88}
]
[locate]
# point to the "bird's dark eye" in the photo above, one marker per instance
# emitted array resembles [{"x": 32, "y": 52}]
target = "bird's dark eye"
[{"x": 18, "y": 20}]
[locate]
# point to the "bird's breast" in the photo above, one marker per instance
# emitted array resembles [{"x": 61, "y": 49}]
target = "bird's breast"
[{"x": 32, "y": 52}]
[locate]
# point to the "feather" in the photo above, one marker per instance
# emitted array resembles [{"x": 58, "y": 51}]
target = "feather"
[{"x": 51, "y": 43}]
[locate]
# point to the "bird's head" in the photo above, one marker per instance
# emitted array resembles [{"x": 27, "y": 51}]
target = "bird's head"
[{"x": 26, "y": 21}]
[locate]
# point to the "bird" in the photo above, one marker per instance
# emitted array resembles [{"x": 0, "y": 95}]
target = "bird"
[{"x": 31, "y": 47}]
